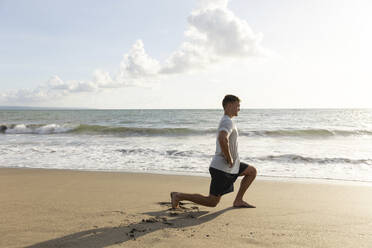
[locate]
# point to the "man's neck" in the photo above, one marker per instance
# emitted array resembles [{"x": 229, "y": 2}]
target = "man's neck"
[{"x": 229, "y": 115}]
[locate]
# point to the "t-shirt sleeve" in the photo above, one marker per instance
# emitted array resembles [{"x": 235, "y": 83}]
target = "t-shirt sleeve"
[{"x": 226, "y": 125}]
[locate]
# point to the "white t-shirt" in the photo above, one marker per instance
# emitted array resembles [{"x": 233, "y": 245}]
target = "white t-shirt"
[{"x": 219, "y": 161}]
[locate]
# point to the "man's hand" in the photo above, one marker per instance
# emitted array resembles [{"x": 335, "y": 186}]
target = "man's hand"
[{"x": 230, "y": 162}]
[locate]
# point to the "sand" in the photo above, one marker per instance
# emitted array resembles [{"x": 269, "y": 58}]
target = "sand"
[{"x": 61, "y": 208}]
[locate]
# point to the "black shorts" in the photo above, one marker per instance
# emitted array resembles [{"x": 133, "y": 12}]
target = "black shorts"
[{"x": 223, "y": 182}]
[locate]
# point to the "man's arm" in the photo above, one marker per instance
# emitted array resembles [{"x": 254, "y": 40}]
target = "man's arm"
[{"x": 224, "y": 143}]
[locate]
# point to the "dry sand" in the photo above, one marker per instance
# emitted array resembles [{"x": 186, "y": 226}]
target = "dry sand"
[{"x": 60, "y": 208}]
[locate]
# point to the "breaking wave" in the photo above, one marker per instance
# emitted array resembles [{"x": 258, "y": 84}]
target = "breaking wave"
[
  {"x": 306, "y": 133},
  {"x": 293, "y": 158},
  {"x": 169, "y": 153},
  {"x": 36, "y": 128},
  {"x": 174, "y": 131},
  {"x": 96, "y": 130}
]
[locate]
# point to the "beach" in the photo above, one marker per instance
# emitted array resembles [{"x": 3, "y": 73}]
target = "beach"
[
  {"x": 67, "y": 208},
  {"x": 112, "y": 117}
]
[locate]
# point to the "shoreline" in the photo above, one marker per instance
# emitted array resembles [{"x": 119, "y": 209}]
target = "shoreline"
[{"x": 289, "y": 179}]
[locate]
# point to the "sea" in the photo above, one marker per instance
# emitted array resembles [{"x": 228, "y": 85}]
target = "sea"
[{"x": 305, "y": 144}]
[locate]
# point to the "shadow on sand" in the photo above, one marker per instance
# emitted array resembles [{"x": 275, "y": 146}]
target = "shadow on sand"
[{"x": 103, "y": 237}]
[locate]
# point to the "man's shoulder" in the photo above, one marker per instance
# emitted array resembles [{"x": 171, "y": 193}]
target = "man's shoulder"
[
  {"x": 226, "y": 121},
  {"x": 226, "y": 118}
]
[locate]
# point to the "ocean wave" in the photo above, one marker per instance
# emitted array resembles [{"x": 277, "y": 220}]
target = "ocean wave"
[
  {"x": 168, "y": 131},
  {"x": 138, "y": 130},
  {"x": 97, "y": 129},
  {"x": 294, "y": 158},
  {"x": 36, "y": 128},
  {"x": 305, "y": 133},
  {"x": 168, "y": 153}
]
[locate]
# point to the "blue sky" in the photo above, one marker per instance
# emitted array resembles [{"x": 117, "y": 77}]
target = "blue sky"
[
  {"x": 185, "y": 53},
  {"x": 72, "y": 38}
]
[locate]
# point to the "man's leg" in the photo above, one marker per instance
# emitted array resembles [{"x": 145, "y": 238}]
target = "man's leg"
[
  {"x": 249, "y": 175},
  {"x": 209, "y": 201}
]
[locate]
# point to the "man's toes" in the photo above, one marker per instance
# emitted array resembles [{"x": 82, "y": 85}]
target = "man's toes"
[{"x": 243, "y": 204}]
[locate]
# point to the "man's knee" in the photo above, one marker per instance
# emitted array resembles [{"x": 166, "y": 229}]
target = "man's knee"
[
  {"x": 250, "y": 171},
  {"x": 214, "y": 200},
  {"x": 253, "y": 171}
]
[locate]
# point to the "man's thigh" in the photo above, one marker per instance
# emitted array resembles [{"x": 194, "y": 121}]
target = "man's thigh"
[{"x": 249, "y": 171}]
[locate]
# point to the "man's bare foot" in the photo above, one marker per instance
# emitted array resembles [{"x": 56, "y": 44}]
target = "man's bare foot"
[
  {"x": 242, "y": 204},
  {"x": 174, "y": 199}
]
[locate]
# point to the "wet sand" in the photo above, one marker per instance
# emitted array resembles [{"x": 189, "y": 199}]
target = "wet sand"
[{"x": 61, "y": 208}]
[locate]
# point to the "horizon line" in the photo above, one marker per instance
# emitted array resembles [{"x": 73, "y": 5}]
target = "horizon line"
[{"x": 86, "y": 108}]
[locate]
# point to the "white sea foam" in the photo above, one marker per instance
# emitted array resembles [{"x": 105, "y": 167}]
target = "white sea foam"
[
  {"x": 18, "y": 129},
  {"x": 53, "y": 128},
  {"x": 39, "y": 129}
]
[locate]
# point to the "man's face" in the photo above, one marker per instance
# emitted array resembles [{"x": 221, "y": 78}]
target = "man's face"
[{"x": 235, "y": 108}]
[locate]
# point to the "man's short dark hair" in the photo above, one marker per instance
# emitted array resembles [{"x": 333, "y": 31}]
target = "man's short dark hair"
[{"x": 229, "y": 99}]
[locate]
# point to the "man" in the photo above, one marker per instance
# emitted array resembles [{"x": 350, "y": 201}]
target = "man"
[{"x": 225, "y": 167}]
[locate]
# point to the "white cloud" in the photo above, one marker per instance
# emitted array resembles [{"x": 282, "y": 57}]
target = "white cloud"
[
  {"x": 205, "y": 4},
  {"x": 137, "y": 63},
  {"x": 26, "y": 95},
  {"x": 214, "y": 34},
  {"x": 82, "y": 86},
  {"x": 189, "y": 57},
  {"x": 55, "y": 84},
  {"x": 226, "y": 34},
  {"x": 137, "y": 68},
  {"x": 104, "y": 80}
]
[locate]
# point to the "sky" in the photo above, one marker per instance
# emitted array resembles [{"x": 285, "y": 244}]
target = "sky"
[{"x": 125, "y": 54}]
